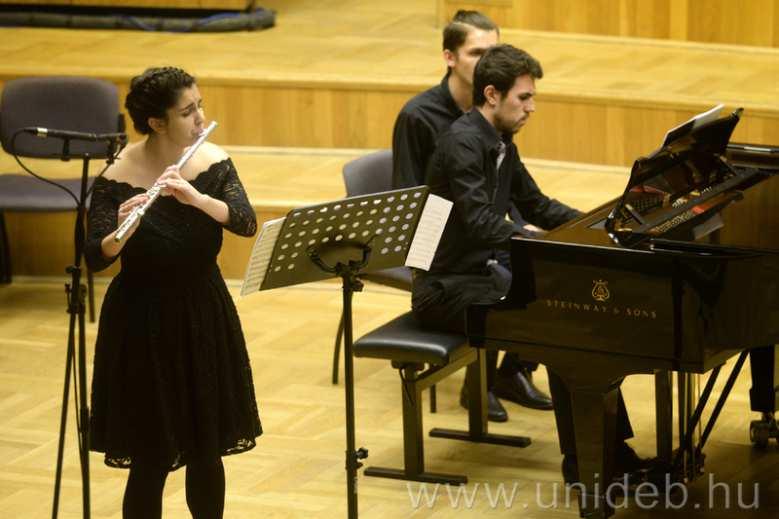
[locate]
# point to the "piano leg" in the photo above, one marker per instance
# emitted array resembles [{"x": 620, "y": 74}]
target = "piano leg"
[
  {"x": 664, "y": 414},
  {"x": 593, "y": 406},
  {"x": 764, "y": 363}
]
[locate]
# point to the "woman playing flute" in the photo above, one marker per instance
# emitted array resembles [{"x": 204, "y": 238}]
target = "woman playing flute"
[{"x": 172, "y": 385}]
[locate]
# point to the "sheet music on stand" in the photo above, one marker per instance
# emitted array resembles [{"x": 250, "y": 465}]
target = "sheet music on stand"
[
  {"x": 261, "y": 255},
  {"x": 403, "y": 227}
]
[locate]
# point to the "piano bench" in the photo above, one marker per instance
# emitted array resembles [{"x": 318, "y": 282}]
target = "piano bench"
[{"x": 423, "y": 357}]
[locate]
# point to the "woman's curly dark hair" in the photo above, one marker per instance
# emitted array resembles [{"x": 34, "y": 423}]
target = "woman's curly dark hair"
[{"x": 153, "y": 93}]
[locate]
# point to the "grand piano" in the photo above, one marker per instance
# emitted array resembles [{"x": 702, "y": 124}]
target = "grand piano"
[{"x": 680, "y": 273}]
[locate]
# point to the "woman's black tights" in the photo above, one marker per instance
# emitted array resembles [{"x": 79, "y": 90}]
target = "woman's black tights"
[{"x": 205, "y": 486}]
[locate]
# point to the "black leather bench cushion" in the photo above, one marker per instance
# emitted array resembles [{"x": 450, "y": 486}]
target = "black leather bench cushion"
[
  {"x": 25, "y": 193},
  {"x": 404, "y": 340}
]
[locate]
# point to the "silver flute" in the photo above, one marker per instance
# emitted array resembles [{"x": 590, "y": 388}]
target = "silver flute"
[{"x": 155, "y": 190}]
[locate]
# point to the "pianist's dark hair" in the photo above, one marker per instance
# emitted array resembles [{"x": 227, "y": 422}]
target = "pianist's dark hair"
[
  {"x": 456, "y": 31},
  {"x": 152, "y": 93},
  {"x": 500, "y": 66}
]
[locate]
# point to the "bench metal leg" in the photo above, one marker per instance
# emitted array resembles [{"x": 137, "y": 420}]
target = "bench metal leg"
[
  {"x": 413, "y": 439},
  {"x": 476, "y": 379}
]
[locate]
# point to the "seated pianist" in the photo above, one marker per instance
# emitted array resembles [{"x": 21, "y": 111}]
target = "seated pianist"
[{"x": 477, "y": 167}]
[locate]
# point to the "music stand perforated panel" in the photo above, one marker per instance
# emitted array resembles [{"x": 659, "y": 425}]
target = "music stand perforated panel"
[{"x": 385, "y": 221}]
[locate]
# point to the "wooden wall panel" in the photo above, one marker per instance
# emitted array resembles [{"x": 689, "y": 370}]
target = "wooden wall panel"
[
  {"x": 289, "y": 115},
  {"x": 611, "y": 131},
  {"x": 40, "y": 243},
  {"x": 616, "y": 134},
  {"x": 742, "y": 22},
  {"x": 599, "y": 131}
]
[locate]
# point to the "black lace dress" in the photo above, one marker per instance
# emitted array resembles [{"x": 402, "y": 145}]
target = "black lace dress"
[{"x": 171, "y": 379}]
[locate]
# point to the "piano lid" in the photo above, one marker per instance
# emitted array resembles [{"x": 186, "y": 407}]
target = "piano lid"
[{"x": 678, "y": 190}]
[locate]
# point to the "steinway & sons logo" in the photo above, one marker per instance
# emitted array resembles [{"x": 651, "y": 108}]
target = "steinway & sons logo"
[{"x": 600, "y": 293}]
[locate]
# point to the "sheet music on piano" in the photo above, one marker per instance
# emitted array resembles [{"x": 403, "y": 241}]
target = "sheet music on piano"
[
  {"x": 690, "y": 125},
  {"x": 261, "y": 256}
]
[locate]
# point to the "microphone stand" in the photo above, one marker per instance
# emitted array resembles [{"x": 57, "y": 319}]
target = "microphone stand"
[{"x": 75, "y": 292}]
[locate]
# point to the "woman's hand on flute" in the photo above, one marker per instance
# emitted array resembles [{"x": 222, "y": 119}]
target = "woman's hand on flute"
[
  {"x": 173, "y": 184},
  {"x": 109, "y": 245},
  {"x": 179, "y": 188},
  {"x": 126, "y": 207}
]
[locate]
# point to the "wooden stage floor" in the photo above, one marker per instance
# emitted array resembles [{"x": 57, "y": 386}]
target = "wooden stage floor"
[{"x": 296, "y": 470}]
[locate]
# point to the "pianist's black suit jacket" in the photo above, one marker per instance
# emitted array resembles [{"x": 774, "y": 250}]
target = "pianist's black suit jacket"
[{"x": 471, "y": 264}]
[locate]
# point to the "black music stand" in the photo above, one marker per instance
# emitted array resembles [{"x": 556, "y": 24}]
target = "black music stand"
[{"x": 342, "y": 239}]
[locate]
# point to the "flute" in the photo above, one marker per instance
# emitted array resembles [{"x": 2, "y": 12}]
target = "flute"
[{"x": 155, "y": 190}]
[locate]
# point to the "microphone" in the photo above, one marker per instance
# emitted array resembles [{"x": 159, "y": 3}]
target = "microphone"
[{"x": 73, "y": 135}]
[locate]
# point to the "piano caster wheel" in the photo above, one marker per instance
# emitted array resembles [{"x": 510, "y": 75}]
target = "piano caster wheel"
[{"x": 760, "y": 431}]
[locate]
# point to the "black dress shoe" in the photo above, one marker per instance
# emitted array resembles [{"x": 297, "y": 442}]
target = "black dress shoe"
[
  {"x": 627, "y": 461},
  {"x": 623, "y": 484},
  {"x": 519, "y": 388},
  {"x": 495, "y": 410}
]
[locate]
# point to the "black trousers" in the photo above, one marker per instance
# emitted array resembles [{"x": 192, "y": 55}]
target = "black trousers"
[{"x": 441, "y": 302}]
